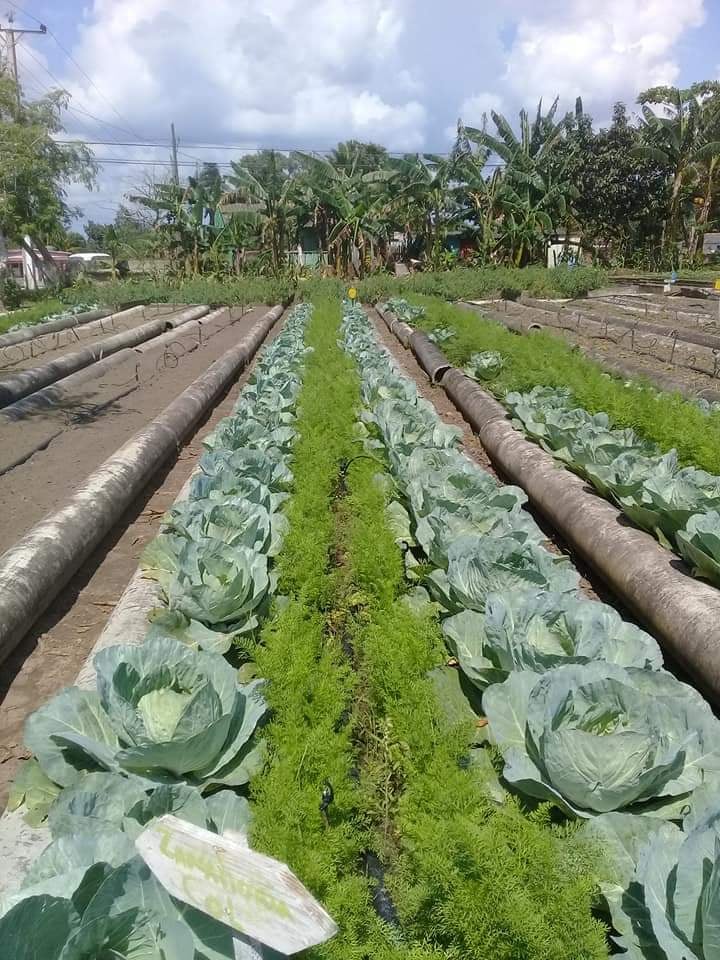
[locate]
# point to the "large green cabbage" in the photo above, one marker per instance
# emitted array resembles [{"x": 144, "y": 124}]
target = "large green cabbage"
[
  {"x": 599, "y": 737},
  {"x": 235, "y": 521},
  {"x": 662, "y": 884},
  {"x": 486, "y": 365},
  {"x": 162, "y": 712},
  {"x": 222, "y": 586},
  {"x": 539, "y": 631},
  {"x": 478, "y": 566},
  {"x": 699, "y": 543}
]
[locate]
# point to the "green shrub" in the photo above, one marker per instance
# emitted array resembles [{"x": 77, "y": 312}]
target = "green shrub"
[
  {"x": 245, "y": 290},
  {"x": 10, "y": 294}
]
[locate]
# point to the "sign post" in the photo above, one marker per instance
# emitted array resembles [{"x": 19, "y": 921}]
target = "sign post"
[
  {"x": 352, "y": 294},
  {"x": 257, "y": 896}
]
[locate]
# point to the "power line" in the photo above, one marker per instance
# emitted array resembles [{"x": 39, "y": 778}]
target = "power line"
[
  {"x": 239, "y": 148},
  {"x": 80, "y": 69},
  {"x": 72, "y": 107}
]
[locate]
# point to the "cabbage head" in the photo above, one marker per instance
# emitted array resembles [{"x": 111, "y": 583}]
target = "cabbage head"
[
  {"x": 699, "y": 544},
  {"x": 162, "y": 712},
  {"x": 538, "y": 631},
  {"x": 481, "y": 565},
  {"x": 662, "y": 887},
  {"x": 598, "y": 737}
]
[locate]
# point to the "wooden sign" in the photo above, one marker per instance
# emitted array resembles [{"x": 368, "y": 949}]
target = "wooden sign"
[{"x": 259, "y": 897}]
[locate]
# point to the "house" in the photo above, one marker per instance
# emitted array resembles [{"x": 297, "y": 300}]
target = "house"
[
  {"x": 31, "y": 272},
  {"x": 711, "y": 244}
]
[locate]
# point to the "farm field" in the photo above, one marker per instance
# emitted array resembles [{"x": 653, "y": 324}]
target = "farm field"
[
  {"x": 389, "y": 632},
  {"x": 662, "y": 359}
]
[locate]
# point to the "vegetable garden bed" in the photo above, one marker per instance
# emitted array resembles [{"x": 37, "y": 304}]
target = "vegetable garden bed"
[
  {"x": 367, "y": 660},
  {"x": 618, "y": 454}
]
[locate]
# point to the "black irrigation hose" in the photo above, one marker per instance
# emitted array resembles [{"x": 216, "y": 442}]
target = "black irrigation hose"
[{"x": 34, "y": 571}]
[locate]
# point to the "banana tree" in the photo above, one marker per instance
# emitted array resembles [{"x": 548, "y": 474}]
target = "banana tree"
[
  {"x": 526, "y": 199},
  {"x": 270, "y": 188},
  {"x": 183, "y": 219},
  {"x": 421, "y": 198},
  {"x": 681, "y": 137},
  {"x": 354, "y": 207}
]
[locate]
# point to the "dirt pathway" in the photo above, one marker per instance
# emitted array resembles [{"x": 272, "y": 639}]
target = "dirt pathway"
[
  {"x": 53, "y": 652},
  {"x": 32, "y": 489}
]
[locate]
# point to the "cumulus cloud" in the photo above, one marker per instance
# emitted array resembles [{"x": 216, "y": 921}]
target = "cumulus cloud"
[
  {"x": 602, "y": 52},
  {"x": 237, "y": 69},
  {"x": 306, "y": 73}
]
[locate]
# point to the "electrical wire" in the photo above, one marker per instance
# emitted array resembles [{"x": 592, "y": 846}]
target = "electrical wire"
[
  {"x": 78, "y": 67},
  {"x": 72, "y": 107}
]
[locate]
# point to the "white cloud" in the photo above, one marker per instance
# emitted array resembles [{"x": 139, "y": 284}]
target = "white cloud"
[
  {"x": 473, "y": 108},
  {"x": 307, "y": 73},
  {"x": 602, "y": 52},
  {"x": 236, "y": 69}
]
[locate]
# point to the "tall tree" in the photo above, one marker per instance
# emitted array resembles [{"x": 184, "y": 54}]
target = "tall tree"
[
  {"x": 535, "y": 193},
  {"x": 264, "y": 180},
  {"x": 676, "y": 136},
  {"x": 621, "y": 196},
  {"x": 357, "y": 156},
  {"x": 36, "y": 171}
]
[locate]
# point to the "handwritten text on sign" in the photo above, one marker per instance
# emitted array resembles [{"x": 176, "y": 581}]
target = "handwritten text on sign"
[{"x": 254, "y": 894}]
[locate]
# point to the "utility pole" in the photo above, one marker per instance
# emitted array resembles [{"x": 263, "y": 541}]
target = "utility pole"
[
  {"x": 176, "y": 175},
  {"x": 13, "y": 33}
]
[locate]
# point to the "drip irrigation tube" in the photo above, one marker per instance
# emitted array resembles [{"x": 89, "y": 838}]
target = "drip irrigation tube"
[
  {"x": 41, "y": 563},
  {"x": 710, "y": 340},
  {"x": 618, "y": 367},
  {"x": 682, "y": 612},
  {"x": 62, "y": 323},
  {"x": 21, "y": 384},
  {"x": 59, "y": 391}
]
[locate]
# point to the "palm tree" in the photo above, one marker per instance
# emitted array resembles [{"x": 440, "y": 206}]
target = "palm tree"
[{"x": 680, "y": 137}]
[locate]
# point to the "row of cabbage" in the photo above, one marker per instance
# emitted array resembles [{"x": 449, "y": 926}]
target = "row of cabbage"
[
  {"x": 576, "y": 699},
  {"x": 171, "y": 726},
  {"x": 679, "y": 505}
]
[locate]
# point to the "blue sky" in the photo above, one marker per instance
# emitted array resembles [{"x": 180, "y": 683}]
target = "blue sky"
[{"x": 304, "y": 74}]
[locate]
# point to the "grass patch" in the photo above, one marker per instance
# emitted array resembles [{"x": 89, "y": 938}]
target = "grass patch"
[
  {"x": 28, "y": 316},
  {"x": 666, "y": 418},
  {"x": 468, "y": 877}
]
